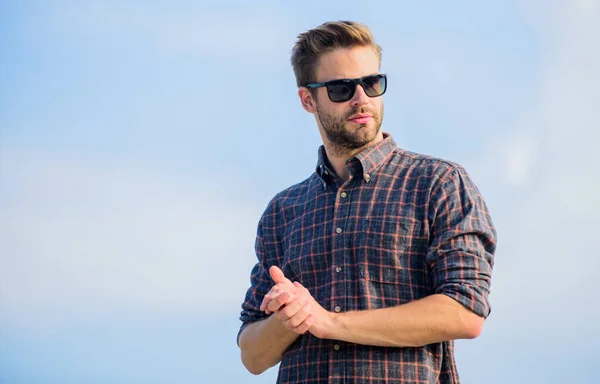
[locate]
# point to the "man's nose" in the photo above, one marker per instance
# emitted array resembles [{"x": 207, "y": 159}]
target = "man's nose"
[{"x": 360, "y": 97}]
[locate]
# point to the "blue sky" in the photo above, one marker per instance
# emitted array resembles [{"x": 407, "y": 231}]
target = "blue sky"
[{"x": 141, "y": 141}]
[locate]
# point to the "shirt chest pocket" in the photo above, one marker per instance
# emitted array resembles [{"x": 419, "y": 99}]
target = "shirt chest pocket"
[
  {"x": 304, "y": 251},
  {"x": 390, "y": 253}
]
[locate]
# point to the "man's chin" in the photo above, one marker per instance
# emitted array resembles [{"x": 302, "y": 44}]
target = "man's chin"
[
  {"x": 365, "y": 132},
  {"x": 355, "y": 136},
  {"x": 359, "y": 129},
  {"x": 362, "y": 140}
]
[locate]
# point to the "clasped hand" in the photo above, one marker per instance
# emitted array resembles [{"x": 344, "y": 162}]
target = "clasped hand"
[{"x": 294, "y": 306}]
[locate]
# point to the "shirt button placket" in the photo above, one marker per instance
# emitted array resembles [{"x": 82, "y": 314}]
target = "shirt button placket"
[{"x": 339, "y": 290}]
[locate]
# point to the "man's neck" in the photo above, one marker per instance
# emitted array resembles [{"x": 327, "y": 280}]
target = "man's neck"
[
  {"x": 338, "y": 156},
  {"x": 338, "y": 161}
]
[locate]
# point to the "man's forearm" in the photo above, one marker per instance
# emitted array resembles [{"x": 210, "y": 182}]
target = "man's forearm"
[
  {"x": 433, "y": 319},
  {"x": 263, "y": 344}
]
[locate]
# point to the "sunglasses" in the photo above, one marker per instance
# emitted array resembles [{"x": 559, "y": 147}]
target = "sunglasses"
[{"x": 343, "y": 89}]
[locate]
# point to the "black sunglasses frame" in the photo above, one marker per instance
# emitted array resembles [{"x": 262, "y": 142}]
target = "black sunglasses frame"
[{"x": 351, "y": 83}]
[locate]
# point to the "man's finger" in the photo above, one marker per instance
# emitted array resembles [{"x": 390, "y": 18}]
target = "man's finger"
[
  {"x": 278, "y": 276},
  {"x": 300, "y": 314},
  {"x": 264, "y": 303},
  {"x": 291, "y": 309},
  {"x": 306, "y": 324},
  {"x": 268, "y": 297},
  {"x": 280, "y": 301}
]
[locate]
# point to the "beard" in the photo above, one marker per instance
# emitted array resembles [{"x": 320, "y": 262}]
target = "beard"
[{"x": 345, "y": 140}]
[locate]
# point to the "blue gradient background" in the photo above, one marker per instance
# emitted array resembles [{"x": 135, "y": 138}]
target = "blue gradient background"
[{"x": 141, "y": 141}]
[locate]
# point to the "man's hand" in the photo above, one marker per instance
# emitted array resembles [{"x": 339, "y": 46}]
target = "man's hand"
[
  {"x": 295, "y": 308},
  {"x": 281, "y": 294}
]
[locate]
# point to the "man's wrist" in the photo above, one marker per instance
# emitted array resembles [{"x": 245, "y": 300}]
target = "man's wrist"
[
  {"x": 335, "y": 326},
  {"x": 280, "y": 330}
]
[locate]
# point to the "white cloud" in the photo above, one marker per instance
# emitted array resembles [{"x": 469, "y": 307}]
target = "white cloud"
[{"x": 80, "y": 237}]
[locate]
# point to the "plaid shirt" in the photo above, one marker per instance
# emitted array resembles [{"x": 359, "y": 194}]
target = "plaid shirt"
[{"x": 404, "y": 226}]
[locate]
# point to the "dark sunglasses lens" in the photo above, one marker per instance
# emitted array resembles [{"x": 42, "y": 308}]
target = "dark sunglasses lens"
[
  {"x": 342, "y": 91},
  {"x": 374, "y": 85}
]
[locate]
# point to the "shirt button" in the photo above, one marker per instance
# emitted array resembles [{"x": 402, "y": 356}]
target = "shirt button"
[
  {"x": 367, "y": 176},
  {"x": 336, "y": 347},
  {"x": 338, "y": 269},
  {"x": 337, "y": 308},
  {"x": 338, "y": 230},
  {"x": 343, "y": 194}
]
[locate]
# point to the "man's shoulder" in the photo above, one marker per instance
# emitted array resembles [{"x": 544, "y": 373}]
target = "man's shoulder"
[
  {"x": 294, "y": 194},
  {"x": 425, "y": 164}
]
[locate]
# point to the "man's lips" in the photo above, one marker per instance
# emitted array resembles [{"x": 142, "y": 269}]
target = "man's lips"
[{"x": 361, "y": 118}]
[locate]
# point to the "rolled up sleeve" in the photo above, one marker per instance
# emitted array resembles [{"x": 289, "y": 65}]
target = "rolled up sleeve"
[
  {"x": 260, "y": 283},
  {"x": 461, "y": 253},
  {"x": 268, "y": 253}
]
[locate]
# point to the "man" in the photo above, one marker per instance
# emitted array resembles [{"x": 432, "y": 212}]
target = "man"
[{"x": 370, "y": 268}]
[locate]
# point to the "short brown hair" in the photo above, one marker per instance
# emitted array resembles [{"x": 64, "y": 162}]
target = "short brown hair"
[{"x": 312, "y": 44}]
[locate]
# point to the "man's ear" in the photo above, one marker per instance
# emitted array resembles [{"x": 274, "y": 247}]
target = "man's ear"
[{"x": 306, "y": 98}]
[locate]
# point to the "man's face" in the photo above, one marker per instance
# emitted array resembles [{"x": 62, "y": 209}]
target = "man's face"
[{"x": 357, "y": 122}]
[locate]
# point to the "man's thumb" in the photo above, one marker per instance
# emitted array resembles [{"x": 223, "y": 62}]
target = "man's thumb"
[{"x": 277, "y": 275}]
